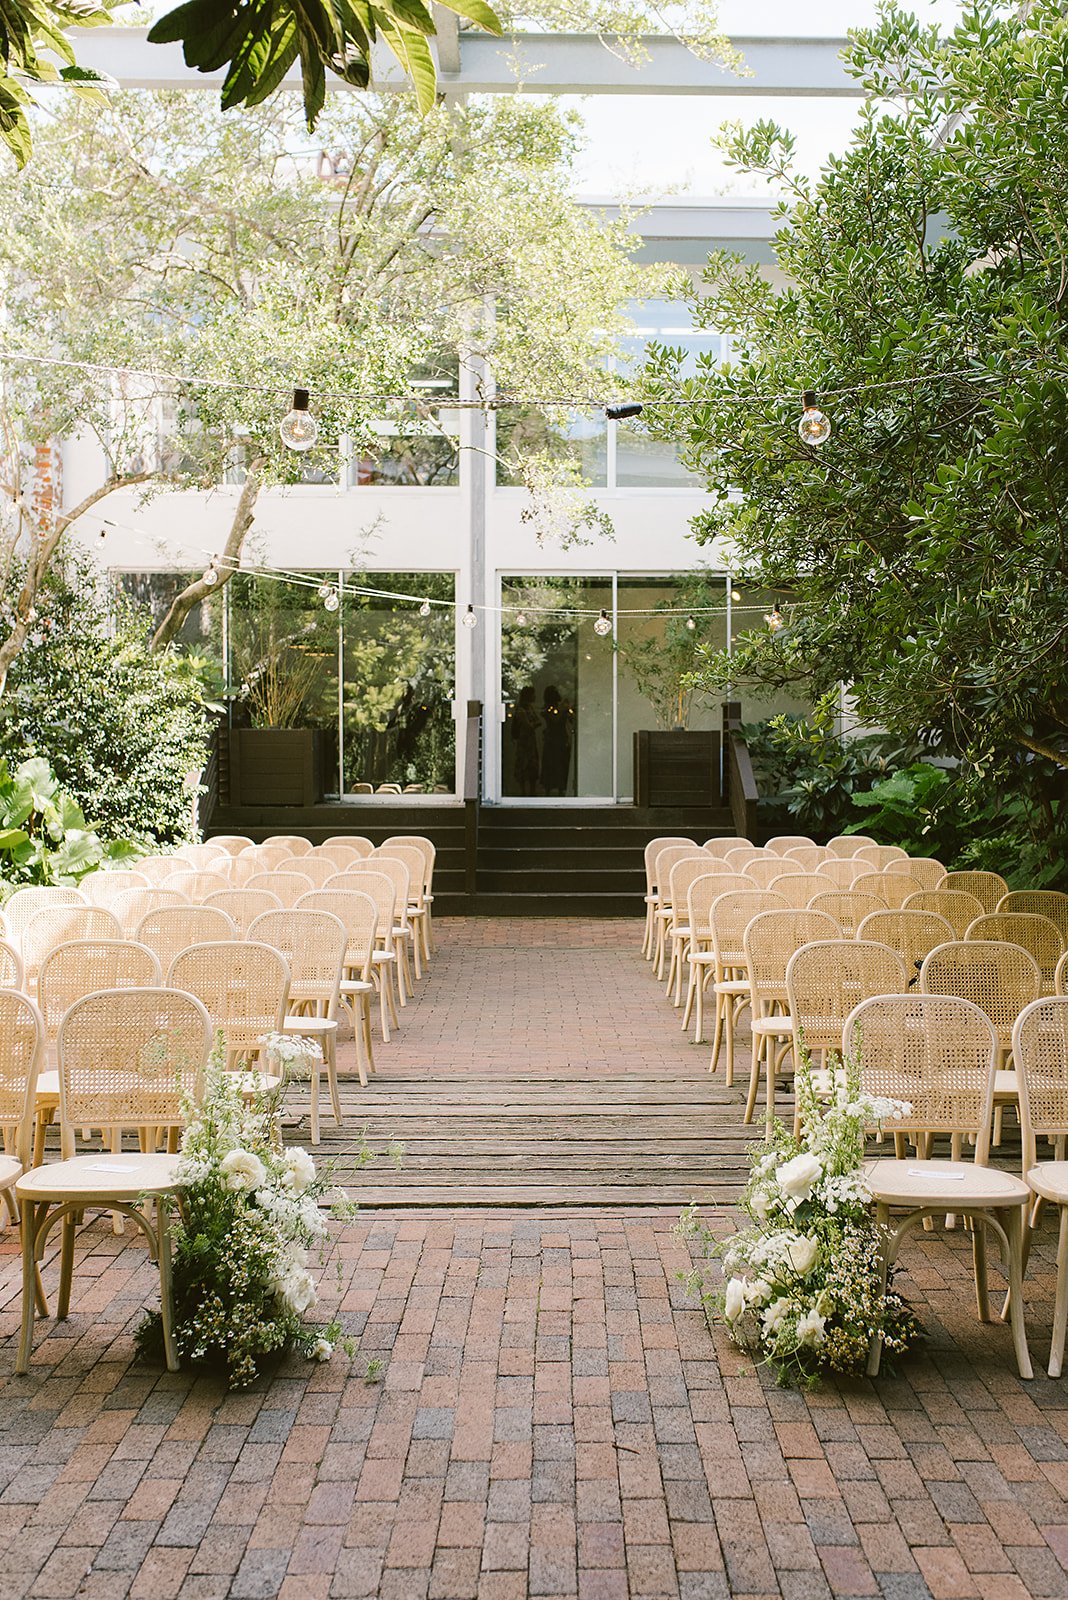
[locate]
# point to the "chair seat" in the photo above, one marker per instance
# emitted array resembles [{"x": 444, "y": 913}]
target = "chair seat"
[
  {"x": 918, "y": 1183},
  {"x": 47, "y": 1090},
  {"x": 680, "y": 932},
  {"x": 309, "y": 1025},
  {"x": 773, "y": 1025},
  {"x": 1050, "y": 1180},
  {"x": 253, "y": 1082},
  {"x": 1006, "y": 1086},
  {"x": 702, "y": 958},
  {"x": 356, "y": 986},
  {"x": 10, "y": 1169},
  {"x": 736, "y": 986},
  {"x": 382, "y": 957},
  {"x": 105, "y": 1176}
]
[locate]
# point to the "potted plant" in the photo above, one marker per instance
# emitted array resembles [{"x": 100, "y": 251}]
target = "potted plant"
[{"x": 675, "y": 764}]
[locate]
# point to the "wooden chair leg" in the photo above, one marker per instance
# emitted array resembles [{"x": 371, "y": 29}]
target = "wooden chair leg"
[
  {"x": 1013, "y": 1222},
  {"x": 1060, "y": 1308},
  {"x": 982, "y": 1295},
  {"x": 29, "y": 1284},
  {"x": 166, "y": 1284},
  {"x": 66, "y": 1266},
  {"x": 313, "y": 1091},
  {"x": 330, "y": 1053}
]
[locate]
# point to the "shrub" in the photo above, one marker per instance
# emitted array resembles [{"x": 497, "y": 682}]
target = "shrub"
[{"x": 44, "y": 837}]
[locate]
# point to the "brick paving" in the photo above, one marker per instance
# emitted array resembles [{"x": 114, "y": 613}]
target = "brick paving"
[{"x": 553, "y": 1420}]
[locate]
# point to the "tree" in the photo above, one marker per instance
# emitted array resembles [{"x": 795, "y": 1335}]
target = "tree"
[
  {"x": 152, "y": 237},
  {"x": 925, "y": 544}
]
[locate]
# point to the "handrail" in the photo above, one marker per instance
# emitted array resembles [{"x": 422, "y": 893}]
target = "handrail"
[{"x": 742, "y": 791}]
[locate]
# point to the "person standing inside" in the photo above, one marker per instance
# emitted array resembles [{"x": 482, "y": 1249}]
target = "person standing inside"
[
  {"x": 558, "y": 723},
  {"x": 525, "y": 725}
]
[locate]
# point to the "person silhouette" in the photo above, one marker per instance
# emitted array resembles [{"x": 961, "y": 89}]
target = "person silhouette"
[
  {"x": 558, "y": 722},
  {"x": 525, "y": 724}
]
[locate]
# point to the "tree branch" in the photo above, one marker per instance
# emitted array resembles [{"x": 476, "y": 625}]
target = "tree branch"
[{"x": 228, "y": 561}]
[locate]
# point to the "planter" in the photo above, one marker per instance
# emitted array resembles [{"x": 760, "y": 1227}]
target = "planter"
[
  {"x": 277, "y": 766},
  {"x": 676, "y": 769}
]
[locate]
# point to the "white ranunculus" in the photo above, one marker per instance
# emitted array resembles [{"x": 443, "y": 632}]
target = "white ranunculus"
[
  {"x": 242, "y": 1169},
  {"x": 734, "y": 1300},
  {"x": 796, "y": 1177},
  {"x": 759, "y": 1205},
  {"x": 298, "y": 1290},
  {"x": 321, "y": 1350},
  {"x": 803, "y": 1253},
  {"x": 810, "y": 1328},
  {"x": 758, "y": 1292},
  {"x": 774, "y": 1315},
  {"x": 300, "y": 1170}
]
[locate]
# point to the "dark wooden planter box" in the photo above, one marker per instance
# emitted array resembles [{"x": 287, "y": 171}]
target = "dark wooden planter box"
[
  {"x": 676, "y": 769},
  {"x": 277, "y": 766}
]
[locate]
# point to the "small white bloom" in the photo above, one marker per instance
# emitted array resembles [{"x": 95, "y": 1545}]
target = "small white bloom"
[
  {"x": 321, "y": 1350},
  {"x": 774, "y": 1315},
  {"x": 803, "y": 1253},
  {"x": 810, "y": 1328},
  {"x": 734, "y": 1300},
  {"x": 796, "y": 1177},
  {"x": 242, "y": 1169},
  {"x": 299, "y": 1170},
  {"x": 758, "y": 1292}
]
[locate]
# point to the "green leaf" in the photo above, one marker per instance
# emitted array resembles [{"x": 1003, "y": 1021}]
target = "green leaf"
[{"x": 476, "y": 11}]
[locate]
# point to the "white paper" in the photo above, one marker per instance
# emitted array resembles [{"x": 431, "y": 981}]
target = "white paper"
[
  {"x": 104, "y": 1166},
  {"x": 951, "y": 1177}
]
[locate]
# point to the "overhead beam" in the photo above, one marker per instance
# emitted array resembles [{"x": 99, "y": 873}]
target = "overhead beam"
[{"x": 470, "y": 62}]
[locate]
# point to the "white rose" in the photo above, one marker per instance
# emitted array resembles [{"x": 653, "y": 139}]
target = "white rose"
[
  {"x": 300, "y": 1170},
  {"x": 242, "y": 1170},
  {"x": 734, "y": 1300},
  {"x": 803, "y": 1253},
  {"x": 810, "y": 1328},
  {"x": 321, "y": 1350},
  {"x": 774, "y": 1315},
  {"x": 298, "y": 1290},
  {"x": 795, "y": 1178}
]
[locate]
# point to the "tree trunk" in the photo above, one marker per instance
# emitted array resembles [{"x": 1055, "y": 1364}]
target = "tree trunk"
[{"x": 225, "y": 565}]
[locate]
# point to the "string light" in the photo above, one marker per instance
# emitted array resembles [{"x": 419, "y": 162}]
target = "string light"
[
  {"x": 774, "y": 619},
  {"x": 691, "y": 623},
  {"x": 211, "y": 576},
  {"x": 520, "y": 619},
  {"x": 620, "y": 412},
  {"x": 814, "y": 427},
  {"x": 736, "y": 594},
  {"x": 469, "y": 618},
  {"x": 424, "y": 609},
  {"x": 331, "y": 600},
  {"x": 298, "y": 429},
  {"x": 603, "y": 625},
  {"x": 325, "y": 589}
]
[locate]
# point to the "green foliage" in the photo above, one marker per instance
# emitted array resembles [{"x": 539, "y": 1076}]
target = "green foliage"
[
  {"x": 809, "y": 776},
  {"x": 123, "y": 728},
  {"x": 926, "y": 269},
  {"x": 28, "y": 28},
  {"x": 664, "y": 660},
  {"x": 44, "y": 837}
]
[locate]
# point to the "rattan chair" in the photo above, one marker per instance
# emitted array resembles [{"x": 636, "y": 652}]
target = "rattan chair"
[
  {"x": 403, "y": 935},
  {"x": 428, "y": 851},
  {"x": 874, "y": 883},
  {"x": 913, "y": 934},
  {"x": 174, "y": 928},
  {"x": 133, "y": 905},
  {"x": 840, "y": 872},
  {"x": 195, "y": 887},
  {"x": 737, "y": 855},
  {"x": 1049, "y": 903},
  {"x": 22, "y": 1041},
  {"x": 317, "y": 868},
  {"x": 677, "y": 934},
  {"x": 157, "y": 868},
  {"x": 10, "y": 966},
  {"x": 353, "y": 841},
  {"x": 987, "y": 887},
  {"x": 54, "y": 925},
  {"x": 652, "y": 850},
  {"x": 666, "y": 858},
  {"x": 314, "y": 945},
  {"x": 295, "y": 844},
  {"x": 695, "y": 938},
  {"x": 358, "y": 913},
  {"x": 938, "y": 1053},
  {"x": 880, "y": 855},
  {"x": 718, "y": 845},
  {"x": 382, "y": 891},
  {"x": 763, "y": 872},
  {"x": 232, "y": 843},
  {"x": 201, "y": 857},
  {"x": 103, "y": 888},
  {"x": 243, "y": 906},
  {"x": 342, "y": 855},
  {"x": 895, "y": 888},
  {"x": 787, "y": 841},
  {"x": 845, "y": 845},
  {"x": 960, "y": 910},
  {"x": 1040, "y": 1049},
  {"x": 285, "y": 886},
  {"x": 262, "y": 858},
  {"x": 769, "y": 941},
  {"x": 730, "y": 915},
  {"x": 847, "y": 908},
  {"x": 826, "y": 979},
  {"x": 416, "y": 913},
  {"x": 127, "y": 1058},
  {"x": 1039, "y": 936},
  {"x": 925, "y": 869},
  {"x": 244, "y": 986},
  {"x": 798, "y": 888},
  {"x": 999, "y": 978},
  {"x": 25, "y": 903},
  {"x": 1060, "y": 977},
  {"x": 809, "y": 856}
]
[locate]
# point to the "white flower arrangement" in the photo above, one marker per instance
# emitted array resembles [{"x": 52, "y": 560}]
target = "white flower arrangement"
[
  {"x": 804, "y": 1283},
  {"x": 294, "y": 1054},
  {"x": 250, "y": 1212}
]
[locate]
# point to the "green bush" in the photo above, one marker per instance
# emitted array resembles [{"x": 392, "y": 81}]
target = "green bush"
[
  {"x": 122, "y": 728},
  {"x": 808, "y": 777},
  {"x": 44, "y": 837}
]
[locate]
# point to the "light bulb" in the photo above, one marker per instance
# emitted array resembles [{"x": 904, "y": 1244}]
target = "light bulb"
[
  {"x": 774, "y": 618},
  {"x": 469, "y": 618},
  {"x": 603, "y": 625},
  {"x": 211, "y": 576},
  {"x": 691, "y": 624},
  {"x": 298, "y": 428},
  {"x": 325, "y": 589},
  {"x": 814, "y": 427},
  {"x": 736, "y": 594},
  {"x": 331, "y": 600},
  {"x": 424, "y": 609},
  {"x": 520, "y": 619}
]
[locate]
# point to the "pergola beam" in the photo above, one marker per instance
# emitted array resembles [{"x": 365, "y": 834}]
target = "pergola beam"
[{"x": 470, "y": 62}]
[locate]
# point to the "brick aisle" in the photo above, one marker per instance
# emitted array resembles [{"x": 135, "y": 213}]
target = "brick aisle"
[{"x": 553, "y": 1420}]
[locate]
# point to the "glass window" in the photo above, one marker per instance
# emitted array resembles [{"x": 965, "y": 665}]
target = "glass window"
[
  {"x": 578, "y": 437},
  {"x": 399, "y": 683},
  {"x": 202, "y": 629}
]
